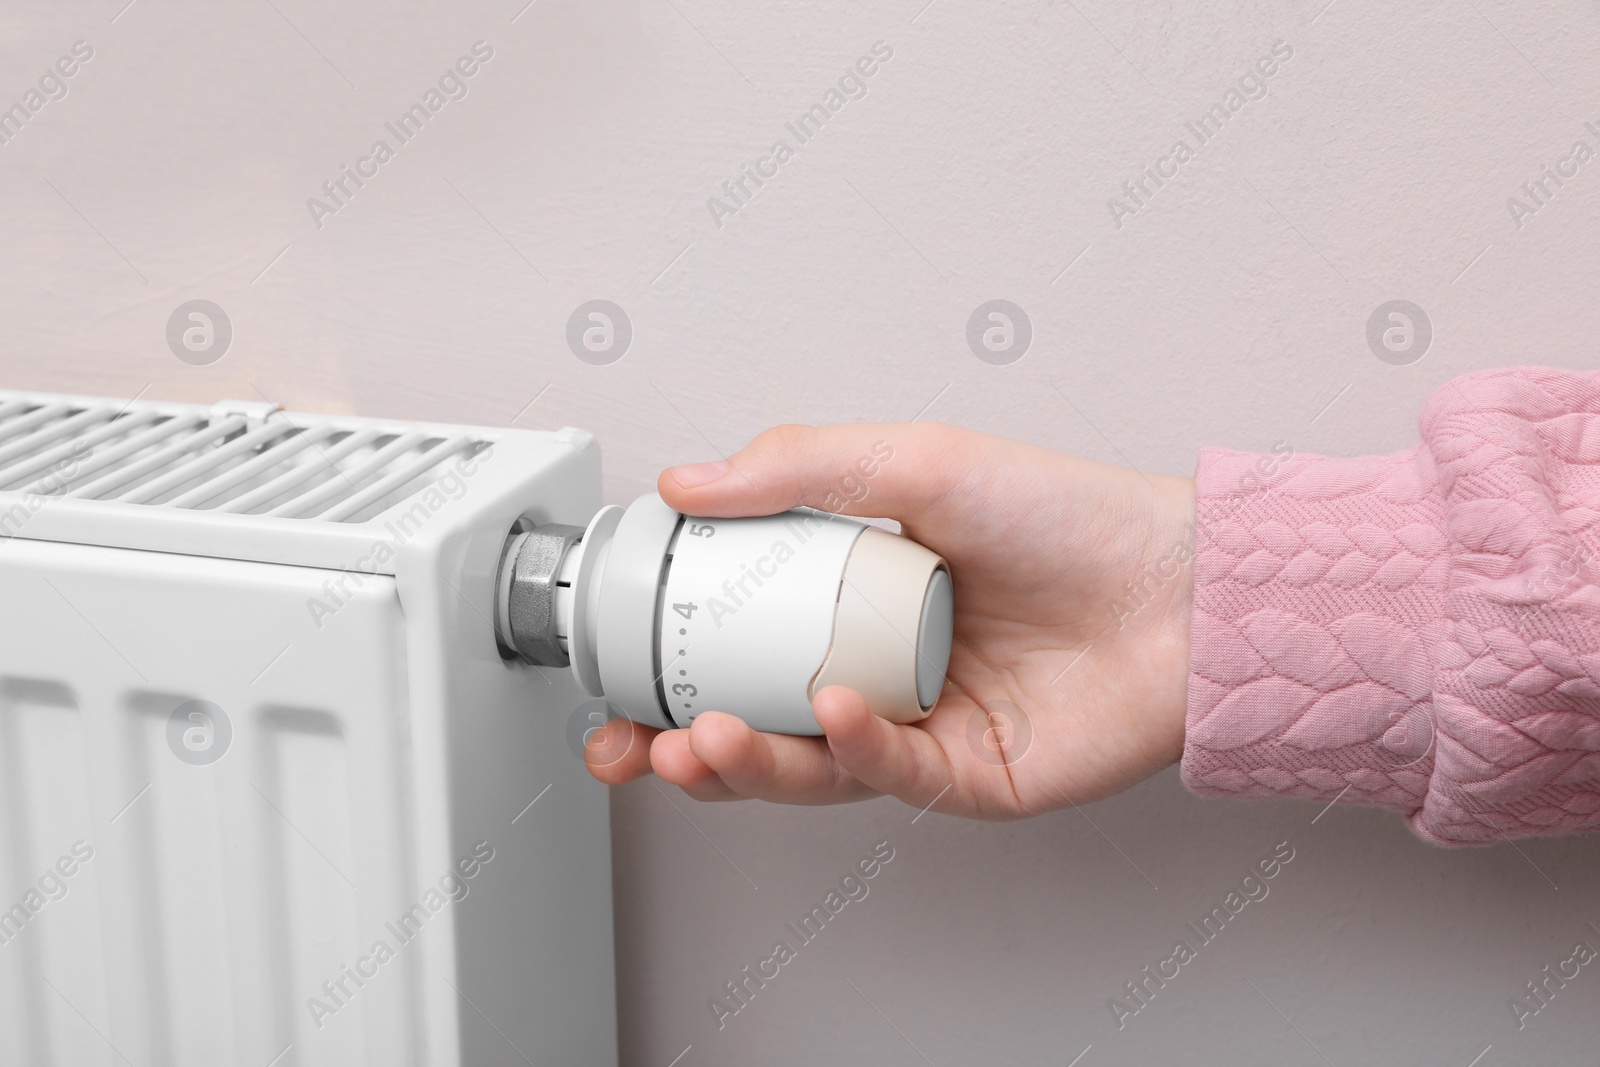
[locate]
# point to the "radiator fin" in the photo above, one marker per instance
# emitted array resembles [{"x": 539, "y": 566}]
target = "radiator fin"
[{"x": 232, "y": 463}]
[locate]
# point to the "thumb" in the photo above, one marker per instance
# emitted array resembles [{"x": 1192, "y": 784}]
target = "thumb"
[{"x": 892, "y": 470}]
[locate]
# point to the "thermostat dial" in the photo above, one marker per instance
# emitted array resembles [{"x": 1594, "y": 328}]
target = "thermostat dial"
[{"x": 669, "y": 615}]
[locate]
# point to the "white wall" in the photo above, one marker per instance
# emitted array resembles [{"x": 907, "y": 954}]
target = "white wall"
[{"x": 1231, "y": 310}]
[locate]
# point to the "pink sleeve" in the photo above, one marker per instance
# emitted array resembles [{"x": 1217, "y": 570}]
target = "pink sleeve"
[{"x": 1418, "y": 631}]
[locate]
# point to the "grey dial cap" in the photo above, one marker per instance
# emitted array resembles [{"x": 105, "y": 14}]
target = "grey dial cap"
[{"x": 934, "y": 633}]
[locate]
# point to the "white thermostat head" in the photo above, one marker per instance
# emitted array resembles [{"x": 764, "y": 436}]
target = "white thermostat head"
[{"x": 669, "y": 615}]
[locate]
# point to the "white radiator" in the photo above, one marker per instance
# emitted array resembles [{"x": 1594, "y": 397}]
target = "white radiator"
[{"x": 270, "y": 793}]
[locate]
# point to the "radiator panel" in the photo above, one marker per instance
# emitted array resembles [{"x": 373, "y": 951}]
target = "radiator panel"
[
  {"x": 358, "y": 876},
  {"x": 220, "y": 896},
  {"x": 42, "y": 754}
]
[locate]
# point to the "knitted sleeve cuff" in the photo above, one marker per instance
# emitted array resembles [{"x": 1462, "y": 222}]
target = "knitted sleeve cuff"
[
  {"x": 1317, "y": 582},
  {"x": 1419, "y": 631}
]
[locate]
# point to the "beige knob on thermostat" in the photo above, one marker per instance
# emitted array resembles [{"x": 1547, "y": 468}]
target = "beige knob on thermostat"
[{"x": 892, "y": 587}]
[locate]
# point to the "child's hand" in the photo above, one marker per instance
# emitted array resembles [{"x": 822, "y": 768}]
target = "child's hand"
[{"x": 1041, "y": 546}]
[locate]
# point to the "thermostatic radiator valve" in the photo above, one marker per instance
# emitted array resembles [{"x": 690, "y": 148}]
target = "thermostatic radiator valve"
[{"x": 667, "y": 615}]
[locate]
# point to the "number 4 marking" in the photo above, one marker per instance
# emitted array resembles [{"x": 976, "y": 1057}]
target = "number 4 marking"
[{"x": 686, "y": 610}]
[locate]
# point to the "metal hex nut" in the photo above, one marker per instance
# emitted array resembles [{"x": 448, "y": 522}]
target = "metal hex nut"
[{"x": 531, "y": 597}]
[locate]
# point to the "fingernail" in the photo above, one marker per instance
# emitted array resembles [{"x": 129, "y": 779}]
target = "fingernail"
[{"x": 693, "y": 475}]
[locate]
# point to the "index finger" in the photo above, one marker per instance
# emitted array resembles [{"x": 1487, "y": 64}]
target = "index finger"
[{"x": 895, "y": 470}]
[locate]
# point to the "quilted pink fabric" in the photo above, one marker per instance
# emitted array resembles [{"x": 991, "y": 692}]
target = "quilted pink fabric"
[{"x": 1418, "y": 631}]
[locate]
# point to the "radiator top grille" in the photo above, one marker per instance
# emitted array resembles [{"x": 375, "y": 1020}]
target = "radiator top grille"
[{"x": 247, "y": 460}]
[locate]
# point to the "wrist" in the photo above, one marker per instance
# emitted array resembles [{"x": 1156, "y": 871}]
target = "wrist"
[
  {"x": 1177, "y": 521},
  {"x": 1150, "y": 616}
]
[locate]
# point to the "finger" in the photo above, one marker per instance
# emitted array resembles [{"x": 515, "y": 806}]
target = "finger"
[
  {"x": 902, "y": 761},
  {"x": 773, "y": 767},
  {"x": 619, "y": 751},
  {"x": 873, "y": 469},
  {"x": 673, "y": 761}
]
